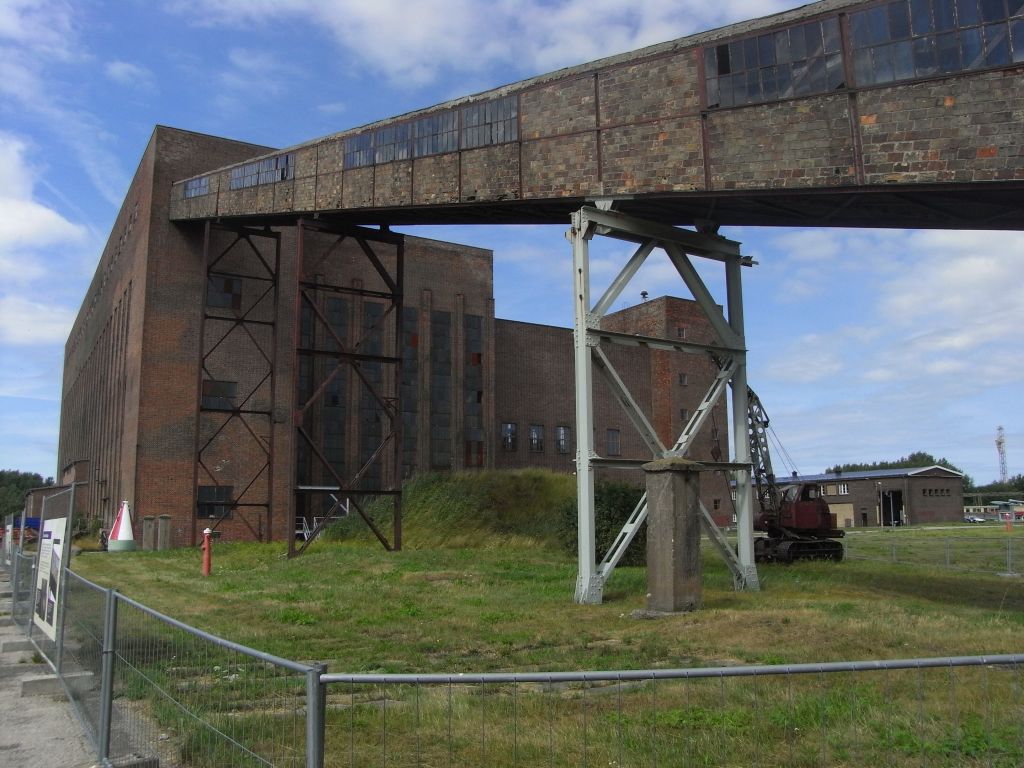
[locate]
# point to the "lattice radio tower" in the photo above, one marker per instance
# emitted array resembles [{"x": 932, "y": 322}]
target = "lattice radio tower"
[{"x": 1001, "y": 449}]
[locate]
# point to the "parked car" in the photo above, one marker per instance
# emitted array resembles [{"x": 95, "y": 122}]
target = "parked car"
[{"x": 973, "y": 519}]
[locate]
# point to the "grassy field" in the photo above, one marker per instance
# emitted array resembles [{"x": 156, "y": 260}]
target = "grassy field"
[
  {"x": 505, "y": 603},
  {"x": 485, "y": 586},
  {"x": 985, "y": 548}
]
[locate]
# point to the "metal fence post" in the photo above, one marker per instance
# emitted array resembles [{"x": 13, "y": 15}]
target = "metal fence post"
[
  {"x": 107, "y": 674},
  {"x": 15, "y": 584},
  {"x": 1009, "y": 555},
  {"x": 316, "y": 709}
]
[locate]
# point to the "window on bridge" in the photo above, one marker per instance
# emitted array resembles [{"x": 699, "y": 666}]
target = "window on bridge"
[
  {"x": 800, "y": 61},
  {"x": 490, "y": 122},
  {"x": 359, "y": 150},
  {"x": 921, "y": 38},
  {"x": 265, "y": 171},
  {"x": 475, "y": 125},
  {"x": 197, "y": 187},
  {"x": 392, "y": 142},
  {"x": 436, "y": 134}
]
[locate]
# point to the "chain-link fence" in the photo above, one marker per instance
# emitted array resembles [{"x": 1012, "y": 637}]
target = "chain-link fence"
[
  {"x": 1002, "y": 554},
  {"x": 23, "y": 579},
  {"x": 920, "y": 712},
  {"x": 164, "y": 690}
]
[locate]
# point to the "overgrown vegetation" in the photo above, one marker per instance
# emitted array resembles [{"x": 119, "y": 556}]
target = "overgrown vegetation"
[
  {"x": 470, "y": 509},
  {"x": 614, "y": 502}
]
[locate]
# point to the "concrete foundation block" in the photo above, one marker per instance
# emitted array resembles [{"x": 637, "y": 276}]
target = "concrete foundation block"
[
  {"x": 49, "y": 685},
  {"x": 673, "y": 535}
]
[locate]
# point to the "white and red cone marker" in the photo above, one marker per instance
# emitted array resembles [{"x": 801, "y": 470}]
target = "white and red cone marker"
[{"x": 121, "y": 537}]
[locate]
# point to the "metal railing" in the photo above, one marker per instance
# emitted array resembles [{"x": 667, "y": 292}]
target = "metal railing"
[
  {"x": 989, "y": 554},
  {"x": 158, "y": 688},
  {"x": 23, "y": 579},
  {"x": 936, "y": 712},
  {"x": 148, "y": 687}
]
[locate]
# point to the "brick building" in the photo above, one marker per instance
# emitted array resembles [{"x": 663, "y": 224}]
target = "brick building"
[
  {"x": 221, "y": 375},
  {"x": 535, "y": 401},
  {"x": 199, "y": 372},
  {"x": 890, "y": 497}
]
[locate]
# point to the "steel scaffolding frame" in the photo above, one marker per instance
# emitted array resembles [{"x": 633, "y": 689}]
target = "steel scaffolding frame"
[
  {"x": 347, "y": 357},
  {"x": 729, "y": 354},
  {"x": 264, "y": 272}
]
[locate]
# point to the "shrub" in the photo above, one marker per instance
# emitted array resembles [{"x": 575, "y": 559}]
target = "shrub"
[{"x": 614, "y": 502}]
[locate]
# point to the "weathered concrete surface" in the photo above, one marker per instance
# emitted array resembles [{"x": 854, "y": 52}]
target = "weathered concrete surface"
[{"x": 673, "y": 535}]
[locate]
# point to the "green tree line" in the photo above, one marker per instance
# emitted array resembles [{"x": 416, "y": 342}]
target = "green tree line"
[
  {"x": 13, "y": 485},
  {"x": 915, "y": 459}
]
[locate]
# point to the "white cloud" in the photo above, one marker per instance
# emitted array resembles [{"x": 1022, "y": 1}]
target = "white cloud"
[
  {"x": 251, "y": 76},
  {"x": 35, "y": 35},
  {"x": 413, "y": 44},
  {"x": 25, "y": 224},
  {"x": 30, "y": 232},
  {"x": 332, "y": 108},
  {"x": 31, "y": 323},
  {"x": 126, "y": 73},
  {"x": 40, "y": 25}
]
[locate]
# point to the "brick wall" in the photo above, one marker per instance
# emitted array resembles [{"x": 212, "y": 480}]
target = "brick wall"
[
  {"x": 534, "y": 385},
  {"x": 942, "y": 131}
]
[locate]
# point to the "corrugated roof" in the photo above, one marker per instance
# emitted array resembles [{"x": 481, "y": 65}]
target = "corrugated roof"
[{"x": 867, "y": 474}]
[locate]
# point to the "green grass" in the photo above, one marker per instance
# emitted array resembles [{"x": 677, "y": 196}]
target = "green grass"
[
  {"x": 987, "y": 548},
  {"x": 483, "y": 586}
]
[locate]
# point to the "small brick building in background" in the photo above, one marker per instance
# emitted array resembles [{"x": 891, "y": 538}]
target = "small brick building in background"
[{"x": 892, "y": 497}]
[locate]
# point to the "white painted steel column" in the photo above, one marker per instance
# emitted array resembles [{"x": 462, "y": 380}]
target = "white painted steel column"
[
  {"x": 589, "y": 585},
  {"x": 740, "y": 430}
]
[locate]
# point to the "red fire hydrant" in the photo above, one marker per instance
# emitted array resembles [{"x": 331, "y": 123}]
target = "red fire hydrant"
[{"x": 207, "y": 551}]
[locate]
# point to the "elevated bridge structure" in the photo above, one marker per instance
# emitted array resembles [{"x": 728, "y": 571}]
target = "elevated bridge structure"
[
  {"x": 904, "y": 113},
  {"x": 898, "y": 114}
]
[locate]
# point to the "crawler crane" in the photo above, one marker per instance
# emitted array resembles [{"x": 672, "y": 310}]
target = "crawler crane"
[{"x": 795, "y": 518}]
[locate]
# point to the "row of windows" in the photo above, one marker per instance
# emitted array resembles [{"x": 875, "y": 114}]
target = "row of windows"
[
  {"x": 895, "y": 41},
  {"x": 563, "y": 439},
  {"x": 936, "y": 492},
  {"x": 197, "y": 187},
  {"x": 265, "y": 171},
  {"x": 797, "y": 61},
  {"x": 535, "y": 438},
  {"x": 918, "y": 38},
  {"x": 468, "y": 127},
  {"x": 842, "y": 489}
]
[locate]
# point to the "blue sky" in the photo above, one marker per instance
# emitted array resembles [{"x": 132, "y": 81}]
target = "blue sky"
[{"x": 865, "y": 345}]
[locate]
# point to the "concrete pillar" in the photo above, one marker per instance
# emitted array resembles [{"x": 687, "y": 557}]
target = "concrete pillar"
[
  {"x": 673, "y": 535},
  {"x": 163, "y": 532},
  {"x": 148, "y": 533}
]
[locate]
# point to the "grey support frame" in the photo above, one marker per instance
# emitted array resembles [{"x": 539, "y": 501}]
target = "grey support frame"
[{"x": 729, "y": 353}]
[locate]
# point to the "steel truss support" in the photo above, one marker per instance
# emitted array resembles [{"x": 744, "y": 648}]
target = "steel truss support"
[
  {"x": 729, "y": 353},
  {"x": 240, "y": 308},
  {"x": 325, "y": 357}
]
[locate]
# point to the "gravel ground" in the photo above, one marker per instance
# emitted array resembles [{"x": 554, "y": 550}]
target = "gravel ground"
[{"x": 40, "y": 731}]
